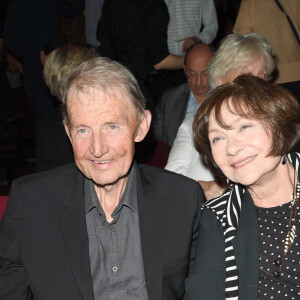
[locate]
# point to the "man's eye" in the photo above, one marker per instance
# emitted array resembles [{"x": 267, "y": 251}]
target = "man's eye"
[
  {"x": 81, "y": 131},
  {"x": 193, "y": 75},
  {"x": 113, "y": 127},
  {"x": 204, "y": 74}
]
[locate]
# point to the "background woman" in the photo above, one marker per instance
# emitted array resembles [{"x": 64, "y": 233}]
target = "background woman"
[
  {"x": 248, "y": 243},
  {"x": 53, "y": 147}
]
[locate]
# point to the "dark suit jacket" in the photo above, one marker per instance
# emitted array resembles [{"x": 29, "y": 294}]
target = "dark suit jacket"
[
  {"x": 134, "y": 33},
  {"x": 44, "y": 252},
  {"x": 207, "y": 281},
  {"x": 170, "y": 113}
]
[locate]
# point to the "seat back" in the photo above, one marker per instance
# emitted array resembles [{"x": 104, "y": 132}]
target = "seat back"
[{"x": 3, "y": 201}]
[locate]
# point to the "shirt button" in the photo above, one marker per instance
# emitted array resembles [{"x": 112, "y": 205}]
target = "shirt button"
[
  {"x": 112, "y": 229},
  {"x": 115, "y": 269}
]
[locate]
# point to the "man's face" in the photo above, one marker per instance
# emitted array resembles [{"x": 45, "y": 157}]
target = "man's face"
[
  {"x": 102, "y": 130},
  {"x": 196, "y": 72}
]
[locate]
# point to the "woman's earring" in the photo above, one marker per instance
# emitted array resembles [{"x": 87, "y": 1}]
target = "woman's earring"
[{"x": 283, "y": 160}]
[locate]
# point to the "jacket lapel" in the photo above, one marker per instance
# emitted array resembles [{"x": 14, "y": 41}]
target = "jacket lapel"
[
  {"x": 186, "y": 97},
  {"x": 151, "y": 228},
  {"x": 74, "y": 232}
]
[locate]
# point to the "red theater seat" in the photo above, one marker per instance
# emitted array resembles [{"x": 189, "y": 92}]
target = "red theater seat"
[{"x": 3, "y": 201}]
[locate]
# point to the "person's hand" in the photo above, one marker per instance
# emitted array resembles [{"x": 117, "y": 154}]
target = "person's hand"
[
  {"x": 13, "y": 64},
  {"x": 43, "y": 57},
  {"x": 189, "y": 41},
  {"x": 211, "y": 189}
]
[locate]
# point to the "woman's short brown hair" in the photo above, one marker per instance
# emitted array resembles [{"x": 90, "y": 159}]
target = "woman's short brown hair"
[{"x": 252, "y": 97}]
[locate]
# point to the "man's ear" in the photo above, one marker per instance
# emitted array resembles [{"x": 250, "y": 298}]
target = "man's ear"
[
  {"x": 184, "y": 69},
  {"x": 67, "y": 129},
  {"x": 144, "y": 126}
]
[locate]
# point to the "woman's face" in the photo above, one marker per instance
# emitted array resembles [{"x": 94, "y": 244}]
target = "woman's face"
[
  {"x": 241, "y": 150},
  {"x": 256, "y": 67}
]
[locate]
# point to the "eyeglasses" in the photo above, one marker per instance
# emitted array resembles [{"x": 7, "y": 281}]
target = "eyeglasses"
[
  {"x": 191, "y": 75},
  {"x": 263, "y": 76}
]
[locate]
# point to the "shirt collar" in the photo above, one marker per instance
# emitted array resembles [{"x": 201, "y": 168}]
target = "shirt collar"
[{"x": 192, "y": 97}]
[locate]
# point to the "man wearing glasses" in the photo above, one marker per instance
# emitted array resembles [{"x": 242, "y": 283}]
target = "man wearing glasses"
[{"x": 182, "y": 101}]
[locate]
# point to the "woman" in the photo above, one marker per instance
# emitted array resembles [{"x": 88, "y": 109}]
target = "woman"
[
  {"x": 237, "y": 54},
  {"x": 247, "y": 247}
]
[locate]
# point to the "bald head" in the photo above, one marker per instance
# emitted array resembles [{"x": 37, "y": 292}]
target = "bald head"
[
  {"x": 195, "y": 67},
  {"x": 198, "y": 50}
]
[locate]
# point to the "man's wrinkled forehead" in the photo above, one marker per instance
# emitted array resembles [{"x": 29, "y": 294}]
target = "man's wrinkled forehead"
[
  {"x": 89, "y": 95},
  {"x": 76, "y": 90}
]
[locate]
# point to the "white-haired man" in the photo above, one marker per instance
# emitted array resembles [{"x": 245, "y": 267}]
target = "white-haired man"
[{"x": 105, "y": 228}]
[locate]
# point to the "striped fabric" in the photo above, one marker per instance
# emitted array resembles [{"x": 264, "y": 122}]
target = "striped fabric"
[
  {"x": 227, "y": 208},
  {"x": 186, "y": 20}
]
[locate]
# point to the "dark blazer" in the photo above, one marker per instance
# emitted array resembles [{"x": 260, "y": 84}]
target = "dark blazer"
[
  {"x": 207, "y": 281},
  {"x": 134, "y": 33},
  {"x": 44, "y": 251},
  {"x": 170, "y": 113}
]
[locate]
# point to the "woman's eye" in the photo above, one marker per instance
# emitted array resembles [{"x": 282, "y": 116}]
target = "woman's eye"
[
  {"x": 216, "y": 139},
  {"x": 245, "y": 127}
]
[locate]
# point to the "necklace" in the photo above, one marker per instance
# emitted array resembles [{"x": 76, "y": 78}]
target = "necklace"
[{"x": 289, "y": 238}]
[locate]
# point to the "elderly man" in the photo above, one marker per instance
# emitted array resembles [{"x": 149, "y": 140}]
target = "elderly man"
[
  {"x": 105, "y": 228},
  {"x": 182, "y": 101}
]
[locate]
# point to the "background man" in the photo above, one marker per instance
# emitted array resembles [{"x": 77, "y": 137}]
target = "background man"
[
  {"x": 191, "y": 21},
  {"x": 134, "y": 33},
  {"x": 182, "y": 101},
  {"x": 107, "y": 229}
]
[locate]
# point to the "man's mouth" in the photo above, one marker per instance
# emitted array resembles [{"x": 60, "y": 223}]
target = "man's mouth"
[{"x": 103, "y": 162}]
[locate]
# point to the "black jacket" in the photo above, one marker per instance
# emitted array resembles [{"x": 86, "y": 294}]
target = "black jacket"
[{"x": 44, "y": 252}]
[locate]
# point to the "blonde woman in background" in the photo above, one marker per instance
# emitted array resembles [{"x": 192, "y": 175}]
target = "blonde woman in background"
[{"x": 53, "y": 147}]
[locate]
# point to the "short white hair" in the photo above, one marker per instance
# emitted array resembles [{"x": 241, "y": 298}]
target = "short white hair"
[
  {"x": 235, "y": 52},
  {"x": 107, "y": 76}
]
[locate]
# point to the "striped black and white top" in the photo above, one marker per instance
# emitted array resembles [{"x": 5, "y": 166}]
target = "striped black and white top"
[{"x": 227, "y": 208}]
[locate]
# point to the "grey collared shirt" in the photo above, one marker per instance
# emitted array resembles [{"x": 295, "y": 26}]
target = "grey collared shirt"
[{"x": 115, "y": 248}]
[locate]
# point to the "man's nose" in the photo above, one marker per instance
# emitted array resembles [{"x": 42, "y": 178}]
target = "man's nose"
[
  {"x": 98, "y": 145},
  {"x": 199, "y": 79}
]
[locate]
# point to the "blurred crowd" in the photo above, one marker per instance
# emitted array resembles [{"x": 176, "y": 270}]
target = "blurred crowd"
[{"x": 153, "y": 40}]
